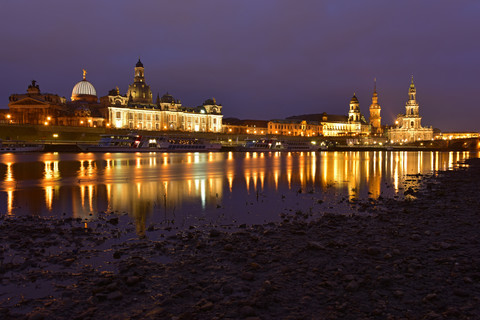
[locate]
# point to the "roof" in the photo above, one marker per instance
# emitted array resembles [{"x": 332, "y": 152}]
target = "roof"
[
  {"x": 320, "y": 116},
  {"x": 247, "y": 122},
  {"x": 84, "y": 88}
]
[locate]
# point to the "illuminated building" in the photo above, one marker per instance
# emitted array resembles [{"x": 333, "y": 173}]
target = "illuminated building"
[
  {"x": 295, "y": 127},
  {"x": 357, "y": 125},
  {"x": 353, "y": 124},
  {"x": 456, "y": 135},
  {"x": 139, "y": 91},
  {"x": 237, "y": 126},
  {"x": 408, "y": 126},
  {"x": 35, "y": 107},
  {"x": 135, "y": 110},
  {"x": 375, "y": 118}
]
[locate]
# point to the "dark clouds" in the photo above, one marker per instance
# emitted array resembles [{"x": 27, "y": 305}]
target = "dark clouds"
[{"x": 260, "y": 59}]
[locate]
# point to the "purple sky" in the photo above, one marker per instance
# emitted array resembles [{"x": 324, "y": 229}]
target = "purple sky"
[{"x": 261, "y": 59}]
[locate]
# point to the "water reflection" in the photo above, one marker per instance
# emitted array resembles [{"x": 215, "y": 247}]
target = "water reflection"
[{"x": 178, "y": 188}]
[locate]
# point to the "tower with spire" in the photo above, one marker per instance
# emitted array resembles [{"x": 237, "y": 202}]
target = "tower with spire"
[
  {"x": 375, "y": 118},
  {"x": 412, "y": 105},
  {"x": 354, "y": 111},
  {"x": 408, "y": 126},
  {"x": 139, "y": 92}
]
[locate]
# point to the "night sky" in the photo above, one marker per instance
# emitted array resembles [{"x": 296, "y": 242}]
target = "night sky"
[{"x": 261, "y": 59}]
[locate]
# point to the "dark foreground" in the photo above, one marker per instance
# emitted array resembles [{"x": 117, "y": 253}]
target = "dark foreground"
[{"x": 417, "y": 258}]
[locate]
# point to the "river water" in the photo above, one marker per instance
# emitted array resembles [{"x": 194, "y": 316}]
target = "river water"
[{"x": 188, "y": 189}]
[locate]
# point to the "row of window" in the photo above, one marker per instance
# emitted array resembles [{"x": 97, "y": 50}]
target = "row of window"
[{"x": 171, "y": 117}]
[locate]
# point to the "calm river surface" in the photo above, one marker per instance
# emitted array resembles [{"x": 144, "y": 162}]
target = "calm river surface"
[{"x": 202, "y": 188}]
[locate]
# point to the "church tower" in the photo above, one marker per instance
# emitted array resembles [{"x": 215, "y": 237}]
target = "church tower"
[
  {"x": 354, "y": 111},
  {"x": 139, "y": 91},
  {"x": 412, "y": 105},
  {"x": 375, "y": 119}
]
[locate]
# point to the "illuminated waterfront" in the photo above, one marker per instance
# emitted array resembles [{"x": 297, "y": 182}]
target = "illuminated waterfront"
[{"x": 220, "y": 188}]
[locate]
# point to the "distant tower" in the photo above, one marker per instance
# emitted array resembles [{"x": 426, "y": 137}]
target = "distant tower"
[
  {"x": 354, "y": 112},
  {"x": 139, "y": 91},
  {"x": 375, "y": 119},
  {"x": 412, "y": 105}
]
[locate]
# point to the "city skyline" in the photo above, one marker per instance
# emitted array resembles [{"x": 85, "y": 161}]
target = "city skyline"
[{"x": 261, "y": 61}]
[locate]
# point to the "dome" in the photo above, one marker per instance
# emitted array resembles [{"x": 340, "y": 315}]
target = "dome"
[
  {"x": 84, "y": 91},
  {"x": 84, "y": 88},
  {"x": 210, "y": 102},
  {"x": 167, "y": 98},
  {"x": 354, "y": 99},
  {"x": 139, "y": 64}
]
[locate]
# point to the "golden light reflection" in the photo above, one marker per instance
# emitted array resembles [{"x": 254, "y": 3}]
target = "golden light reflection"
[
  {"x": 136, "y": 185},
  {"x": 9, "y": 201},
  {"x": 247, "y": 180},
  {"x": 109, "y": 196},
  {"x": 49, "y": 197},
  {"x": 82, "y": 196},
  {"x": 230, "y": 181},
  {"x": 275, "y": 177},
  {"x": 9, "y": 173}
]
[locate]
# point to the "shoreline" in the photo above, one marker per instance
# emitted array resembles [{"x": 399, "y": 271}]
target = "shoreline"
[
  {"x": 414, "y": 258},
  {"x": 73, "y": 147}
]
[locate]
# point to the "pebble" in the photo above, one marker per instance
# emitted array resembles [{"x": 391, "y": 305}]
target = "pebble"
[
  {"x": 132, "y": 280},
  {"x": 115, "y": 295},
  {"x": 388, "y": 265}
]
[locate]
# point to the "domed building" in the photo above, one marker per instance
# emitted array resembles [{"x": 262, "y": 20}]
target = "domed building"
[
  {"x": 139, "y": 92},
  {"x": 135, "y": 110},
  {"x": 84, "y": 91}
]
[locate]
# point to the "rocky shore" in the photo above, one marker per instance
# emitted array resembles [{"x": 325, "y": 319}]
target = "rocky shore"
[{"x": 415, "y": 258}]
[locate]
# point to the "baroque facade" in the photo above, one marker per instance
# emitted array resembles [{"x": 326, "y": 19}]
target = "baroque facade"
[
  {"x": 135, "y": 110},
  {"x": 375, "y": 109},
  {"x": 408, "y": 127},
  {"x": 323, "y": 124},
  {"x": 294, "y": 127}
]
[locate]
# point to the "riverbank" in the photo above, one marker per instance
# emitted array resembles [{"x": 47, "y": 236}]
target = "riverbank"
[
  {"x": 73, "y": 147},
  {"x": 416, "y": 258},
  {"x": 65, "y": 139}
]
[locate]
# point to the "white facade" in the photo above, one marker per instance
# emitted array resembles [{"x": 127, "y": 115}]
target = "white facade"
[
  {"x": 408, "y": 127},
  {"x": 154, "y": 119}
]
